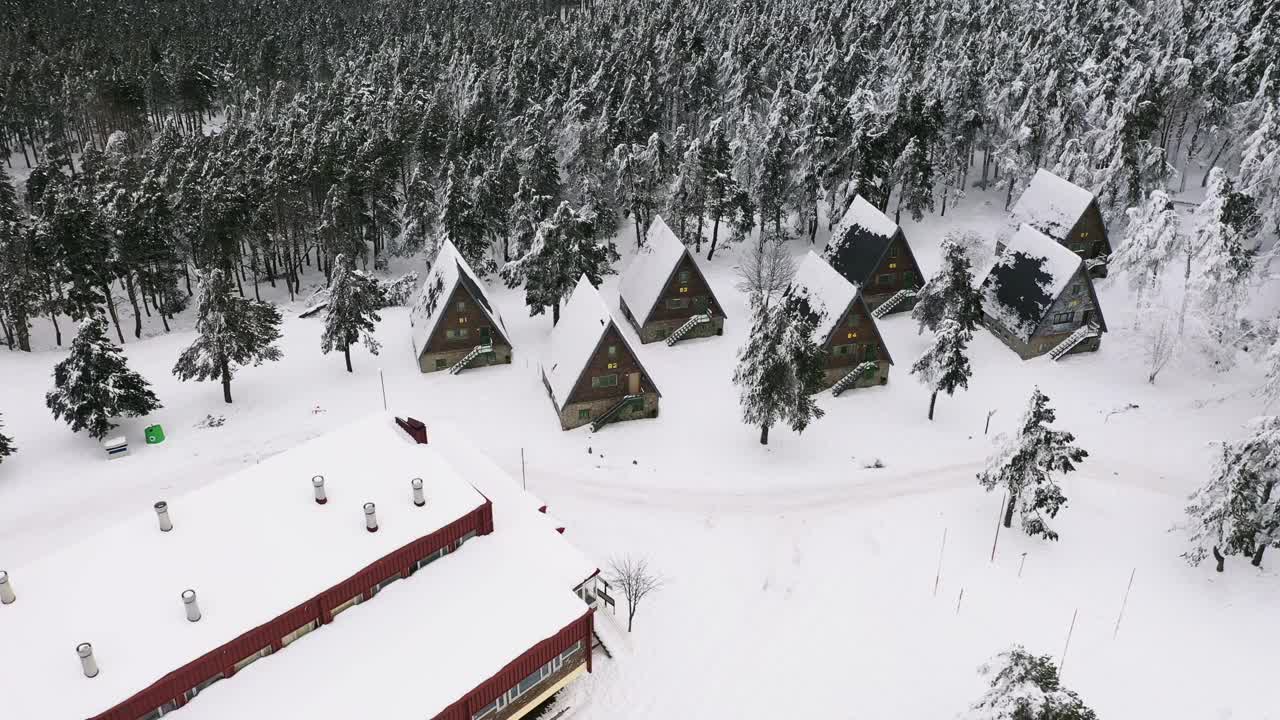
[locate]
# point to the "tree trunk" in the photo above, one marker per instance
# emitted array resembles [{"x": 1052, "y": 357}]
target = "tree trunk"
[
  {"x": 764, "y": 434},
  {"x": 1008, "y": 512},
  {"x": 226, "y": 382},
  {"x": 555, "y": 314},
  {"x": 1213, "y": 163},
  {"x": 133, "y": 300},
  {"x": 1219, "y": 557},
  {"x": 57, "y": 329},
  {"x": 635, "y": 215},
  {"x": 1257, "y": 555},
  {"x": 631, "y": 616},
  {"x": 111, "y": 308},
  {"x": 715, "y": 237},
  {"x": 346, "y": 354},
  {"x": 933, "y": 400}
]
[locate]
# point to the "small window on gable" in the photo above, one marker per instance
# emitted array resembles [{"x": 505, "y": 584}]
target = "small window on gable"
[
  {"x": 886, "y": 279},
  {"x": 604, "y": 381},
  {"x": 584, "y": 414},
  {"x": 1063, "y": 318},
  {"x": 679, "y": 303},
  {"x": 683, "y": 276},
  {"x": 893, "y": 251},
  {"x": 1077, "y": 289},
  {"x": 461, "y": 305},
  {"x": 613, "y": 351}
]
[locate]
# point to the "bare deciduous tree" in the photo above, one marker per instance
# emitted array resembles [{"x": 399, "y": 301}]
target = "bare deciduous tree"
[
  {"x": 633, "y": 577},
  {"x": 766, "y": 269}
]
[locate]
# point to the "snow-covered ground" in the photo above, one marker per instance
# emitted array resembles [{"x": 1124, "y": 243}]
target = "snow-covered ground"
[{"x": 799, "y": 582}]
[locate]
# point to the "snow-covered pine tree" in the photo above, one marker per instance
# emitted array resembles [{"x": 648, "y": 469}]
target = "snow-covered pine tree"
[
  {"x": 1024, "y": 467},
  {"x": 944, "y": 366},
  {"x": 1270, "y": 389},
  {"x": 1152, "y": 239},
  {"x": 565, "y": 248},
  {"x": 1259, "y": 175},
  {"x": 1026, "y": 687},
  {"x": 231, "y": 332},
  {"x": 1238, "y": 511},
  {"x": 94, "y": 384},
  {"x": 7, "y": 447},
  {"x": 951, "y": 292},
  {"x": 352, "y": 313},
  {"x": 780, "y": 367},
  {"x": 725, "y": 199}
]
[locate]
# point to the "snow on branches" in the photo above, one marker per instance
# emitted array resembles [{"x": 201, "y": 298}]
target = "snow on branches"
[
  {"x": 94, "y": 384},
  {"x": 1026, "y": 687}
]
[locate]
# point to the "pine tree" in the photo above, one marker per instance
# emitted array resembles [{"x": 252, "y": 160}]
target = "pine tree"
[
  {"x": 7, "y": 447},
  {"x": 951, "y": 291},
  {"x": 780, "y": 367},
  {"x": 1238, "y": 511},
  {"x": 565, "y": 248},
  {"x": 1024, "y": 465},
  {"x": 1152, "y": 239},
  {"x": 944, "y": 366},
  {"x": 94, "y": 384},
  {"x": 725, "y": 199},
  {"x": 231, "y": 332},
  {"x": 1026, "y": 687},
  {"x": 352, "y": 313}
]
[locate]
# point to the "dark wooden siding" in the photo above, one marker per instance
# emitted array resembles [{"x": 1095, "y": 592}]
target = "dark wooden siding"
[
  {"x": 173, "y": 687},
  {"x": 692, "y": 289},
  {"x": 624, "y": 363},
  {"x": 897, "y": 270},
  {"x": 857, "y": 321},
  {"x": 1088, "y": 238},
  {"x": 470, "y": 317}
]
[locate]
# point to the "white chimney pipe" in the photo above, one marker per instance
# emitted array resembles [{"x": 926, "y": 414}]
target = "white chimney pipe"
[
  {"x": 317, "y": 482},
  {"x": 6, "y": 590},
  {"x": 162, "y": 511},
  {"x": 370, "y": 519},
  {"x": 189, "y": 601},
  {"x": 85, "y": 651},
  {"x": 419, "y": 498}
]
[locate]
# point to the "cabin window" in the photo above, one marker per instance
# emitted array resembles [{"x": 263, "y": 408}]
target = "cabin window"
[
  {"x": 893, "y": 251},
  {"x": 700, "y": 302},
  {"x": 678, "y": 303},
  {"x": 486, "y": 711},
  {"x": 461, "y": 305},
  {"x": 683, "y": 276},
  {"x": 456, "y": 333},
  {"x": 908, "y": 278},
  {"x": 842, "y": 350},
  {"x": 1084, "y": 234},
  {"x": 584, "y": 414},
  {"x": 613, "y": 351},
  {"x": 484, "y": 333},
  {"x": 1077, "y": 289},
  {"x": 605, "y": 381},
  {"x": 1062, "y": 318},
  {"x": 440, "y": 364},
  {"x": 462, "y": 320},
  {"x": 886, "y": 279}
]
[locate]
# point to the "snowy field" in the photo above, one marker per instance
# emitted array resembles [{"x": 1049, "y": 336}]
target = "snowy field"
[{"x": 798, "y": 581}]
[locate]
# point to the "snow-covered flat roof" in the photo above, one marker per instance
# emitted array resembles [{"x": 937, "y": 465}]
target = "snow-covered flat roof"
[
  {"x": 583, "y": 321},
  {"x": 643, "y": 280},
  {"x": 449, "y": 268},
  {"x": 1051, "y": 204},
  {"x": 252, "y": 546},
  {"x": 427, "y": 640},
  {"x": 827, "y": 289}
]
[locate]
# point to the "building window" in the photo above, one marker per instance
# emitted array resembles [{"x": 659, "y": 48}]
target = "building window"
[
  {"x": 462, "y": 320},
  {"x": 908, "y": 278},
  {"x": 605, "y": 381},
  {"x": 461, "y": 305},
  {"x": 1077, "y": 289},
  {"x": 486, "y": 711},
  {"x": 842, "y": 350},
  {"x": 893, "y": 251},
  {"x": 613, "y": 351},
  {"x": 886, "y": 279},
  {"x": 484, "y": 333},
  {"x": 700, "y": 303},
  {"x": 1063, "y": 318},
  {"x": 440, "y": 364},
  {"x": 456, "y": 334},
  {"x": 683, "y": 276},
  {"x": 584, "y": 414},
  {"x": 677, "y": 303}
]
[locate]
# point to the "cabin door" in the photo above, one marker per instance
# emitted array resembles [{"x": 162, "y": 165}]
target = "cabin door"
[
  {"x": 633, "y": 383},
  {"x": 1086, "y": 317}
]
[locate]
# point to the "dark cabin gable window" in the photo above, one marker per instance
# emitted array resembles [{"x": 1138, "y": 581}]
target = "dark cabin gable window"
[
  {"x": 1063, "y": 318},
  {"x": 886, "y": 279},
  {"x": 682, "y": 277},
  {"x": 461, "y": 305},
  {"x": 678, "y": 303},
  {"x": 604, "y": 381}
]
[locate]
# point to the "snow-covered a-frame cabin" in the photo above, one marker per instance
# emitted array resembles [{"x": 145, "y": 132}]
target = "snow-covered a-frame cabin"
[
  {"x": 664, "y": 295},
  {"x": 871, "y": 251},
  {"x": 590, "y": 370},
  {"x": 856, "y": 355},
  {"x": 1067, "y": 213},
  {"x": 455, "y": 325},
  {"x": 136, "y": 621},
  {"x": 1039, "y": 298}
]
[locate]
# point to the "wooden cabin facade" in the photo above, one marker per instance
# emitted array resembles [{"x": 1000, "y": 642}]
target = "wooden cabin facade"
[
  {"x": 663, "y": 293},
  {"x": 871, "y": 251},
  {"x": 1039, "y": 299},
  {"x": 593, "y": 375},
  {"x": 455, "y": 325},
  {"x": 856, "y": 354},
  {"x": 1070, "y": 215}
]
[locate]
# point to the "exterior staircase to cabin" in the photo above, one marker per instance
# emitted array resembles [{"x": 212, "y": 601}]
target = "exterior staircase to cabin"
[
  {"x": 612, "y": 413},
  {"x": 684, "y": 329},
  {"x": 848, "y": 380},
  {"x": 1082, "y": 333},
  {"x": 888, "y": 305},
  {"x": 476, "y": 352}
]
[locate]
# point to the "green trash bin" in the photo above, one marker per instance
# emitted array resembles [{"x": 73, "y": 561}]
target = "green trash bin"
[{"x": 154, "y": 434}]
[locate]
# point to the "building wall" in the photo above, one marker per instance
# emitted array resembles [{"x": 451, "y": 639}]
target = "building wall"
[
  {"x": 897, "y": 271},
  {"x": 654, "y": 331},
  {"x": 687, "y": 287},
  {"x": 1040, "y": 343},
  {"x": 571, "y": 415},
  {"x": 856, "y": 330},
  {"x": 619, "y": 362},
  {"x": 464, "y": 319},
  {"x": 177, "y": 688},
  {"x": 831, "y": 376}
]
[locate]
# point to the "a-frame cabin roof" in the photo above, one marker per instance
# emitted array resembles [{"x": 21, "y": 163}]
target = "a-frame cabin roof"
[
  {"x": 1051, "y": 204},
  {"x": 449, "y": 271},
  {"x": 1027, "y": 279},
  {"x": 583, "y": 322},
  {"x": 651, "y": 270},
  {"x": 829, "y": 292},
  {"x": 860, "y": 241}
]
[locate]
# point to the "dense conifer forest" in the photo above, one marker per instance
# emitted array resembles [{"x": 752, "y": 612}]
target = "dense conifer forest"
[{"x": 148, "y": 140}]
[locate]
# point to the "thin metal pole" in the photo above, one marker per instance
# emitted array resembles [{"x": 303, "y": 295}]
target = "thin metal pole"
[
  {"x": 958, "y": 601},
  {"x": 938, "y": 577},
  {"x": 383, "y": 381},
  {"x": 1021, "y": 563},
  {"x": 1124, "y": 604},
  {"x": 999, "y": 522},
  {"x": 1063, "y": 662},
  {"x": 524, "y": 481}
]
